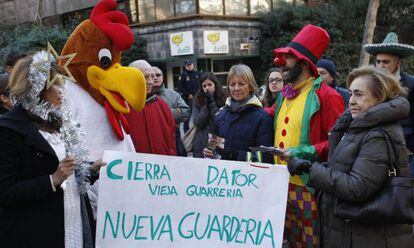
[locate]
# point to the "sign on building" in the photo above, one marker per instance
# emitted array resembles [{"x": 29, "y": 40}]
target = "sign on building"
[
  {"x": 216, "y": 42},
  {"x": 163, "y": 201},
  {"x": 181, "y": 43}
]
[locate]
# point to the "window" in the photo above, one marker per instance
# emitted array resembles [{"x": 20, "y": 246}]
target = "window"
[
  {"x": 211, "y": 7},
  {"x": 185, "y": 7},
  {"x": 259, "y": 6},
  {"x": 133, "y": 11},
  {"x": 146, "y": 10},
  {"x": 164, "y": 9},
  {"x": 236, "y": 7}
]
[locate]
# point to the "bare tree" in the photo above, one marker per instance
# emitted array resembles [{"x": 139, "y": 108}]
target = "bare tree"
[{"x": 370, "y": 24}]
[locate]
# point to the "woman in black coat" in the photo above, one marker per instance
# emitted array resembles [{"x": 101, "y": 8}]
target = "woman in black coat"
[
  {"x": 34, "y": 164},
  {"x": 357, "y": 166},
  {"x": 208, "y": 100}
]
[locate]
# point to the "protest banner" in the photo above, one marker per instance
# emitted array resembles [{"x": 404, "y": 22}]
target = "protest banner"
[{"x": 164, "y": 201}]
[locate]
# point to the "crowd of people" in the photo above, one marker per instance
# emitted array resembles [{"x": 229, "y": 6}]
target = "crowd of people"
[{"x": 326, "y": 133}]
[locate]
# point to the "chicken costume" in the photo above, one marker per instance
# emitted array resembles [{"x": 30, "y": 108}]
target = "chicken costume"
[{"x": 104, "y": 90}]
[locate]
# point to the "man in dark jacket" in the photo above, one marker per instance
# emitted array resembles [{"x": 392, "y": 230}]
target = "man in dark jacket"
[
  {"x": 188, "y": 85},
  {"x": 389, "y": 55},
  {"x": 327, "y": 71}
]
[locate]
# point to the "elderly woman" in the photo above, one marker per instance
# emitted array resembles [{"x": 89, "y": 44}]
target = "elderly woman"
[
  {"x": 357, "y": 166},
  {"x": 42, "y": 202},
  {"x": 242, "y": 122},
  {"x": 274, "y": 84}
]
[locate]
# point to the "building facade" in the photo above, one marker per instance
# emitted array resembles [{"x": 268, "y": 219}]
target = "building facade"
[{"x": 214, "y": 34}]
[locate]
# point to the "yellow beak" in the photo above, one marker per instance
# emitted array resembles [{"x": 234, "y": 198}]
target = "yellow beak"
[{"x": 119, "y": 84}]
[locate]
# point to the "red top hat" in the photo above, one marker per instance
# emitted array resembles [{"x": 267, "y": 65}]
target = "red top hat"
[{"x": 309, "y": 45}]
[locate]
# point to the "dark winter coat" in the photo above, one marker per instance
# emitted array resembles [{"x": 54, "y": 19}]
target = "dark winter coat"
[
  {"x": 344, "y": 94},
  {"x": 189, "y": 84},
  {"x": 355, "y": 171},
  {"x": 203, "y": 118},
  {"x": 251, "y": 126},
  {"x": 407, "y": 124},
  {"x": 31, "y": 214}
]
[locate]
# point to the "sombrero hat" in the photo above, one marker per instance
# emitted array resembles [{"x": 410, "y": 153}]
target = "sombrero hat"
[{"x": 390, "y": 45}]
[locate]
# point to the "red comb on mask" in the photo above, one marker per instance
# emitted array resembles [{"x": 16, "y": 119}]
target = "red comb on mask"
[{"x": 113, "y": 24}]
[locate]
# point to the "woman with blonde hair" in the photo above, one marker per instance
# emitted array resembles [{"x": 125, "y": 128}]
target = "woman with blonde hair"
[
  {"x": 358, "y": 161},
  {"x": 43, "y": 170},
  {"x": 242, "y": 122}
]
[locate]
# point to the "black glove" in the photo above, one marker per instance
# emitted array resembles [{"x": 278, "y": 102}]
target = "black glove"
[
  {"x": 227, "y": 153},
  {"x": 297, "y": 166},
  {"x": 209, "y": 98}
]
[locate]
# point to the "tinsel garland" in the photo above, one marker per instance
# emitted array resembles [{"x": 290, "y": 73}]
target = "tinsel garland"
[
  {"x": 72, "y": 134},
  {"x": 37, "y": 78},
  {"x": 74, "y": 137}
]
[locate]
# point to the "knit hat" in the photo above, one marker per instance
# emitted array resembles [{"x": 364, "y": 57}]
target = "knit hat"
[
  {"x": 390, "y": 45},
  {"x": 327, "y": 65}
]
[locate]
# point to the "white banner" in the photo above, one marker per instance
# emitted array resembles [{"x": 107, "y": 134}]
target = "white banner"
[
  {"x": 216, "y": 42},
  {"x": 181, "y": 43},
  {"x": 163, "y": 201}
]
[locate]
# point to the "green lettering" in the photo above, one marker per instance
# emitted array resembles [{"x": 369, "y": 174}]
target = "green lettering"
[
  {"x": 109, "y": 172},
  {"x": 111, "y": 224},
  {"x": 139, "y": 227},
  {"x": 250, "y": 230},
  {"x": 167, "y": 221},
  {"x": 137, "y": 169},
  {"x": 252, "y": 178},
  {"x": 164, "y": 172},
  {"x": 212, "y": 174},
  {"x": 180, "y": 224},
  {"x": 123, "y": 226},
  {"x": 196, "y": 224},
  {"x": 268, "y": 232},
  {"x": 148, "y": 171},
  {"x": 215, "y": 226}
]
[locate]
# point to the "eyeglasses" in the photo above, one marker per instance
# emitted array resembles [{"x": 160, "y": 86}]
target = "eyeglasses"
[
  {"x": 158, "y": 75},
  {"x": 276, "y": 80}
]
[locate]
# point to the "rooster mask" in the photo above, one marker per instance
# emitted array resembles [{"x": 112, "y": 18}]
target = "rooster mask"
[{"x": 98, "y": 43}]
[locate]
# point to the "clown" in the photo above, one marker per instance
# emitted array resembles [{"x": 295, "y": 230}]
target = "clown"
[{"x": 303, "y": 115}]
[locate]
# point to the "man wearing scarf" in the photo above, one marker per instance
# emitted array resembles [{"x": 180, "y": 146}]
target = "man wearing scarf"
[{"x": 303, "y": 115}]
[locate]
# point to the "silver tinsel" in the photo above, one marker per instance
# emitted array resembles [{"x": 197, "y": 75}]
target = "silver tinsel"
[
  {"x": 74, "y": 137},
  {"x": 72, "y": 134},
  {"x": 38, "y": 74}
]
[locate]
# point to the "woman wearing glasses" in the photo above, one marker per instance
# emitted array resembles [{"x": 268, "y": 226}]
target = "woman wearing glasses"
[{"x": 274, "y": 84}]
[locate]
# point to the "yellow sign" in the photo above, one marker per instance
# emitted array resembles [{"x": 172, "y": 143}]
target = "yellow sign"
[
  {"x": 213, "y": 37},
  {"x": 177, "y": 39}
]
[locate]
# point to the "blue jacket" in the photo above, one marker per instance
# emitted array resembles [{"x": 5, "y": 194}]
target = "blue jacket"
[{"x": 251, "y": 126}]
